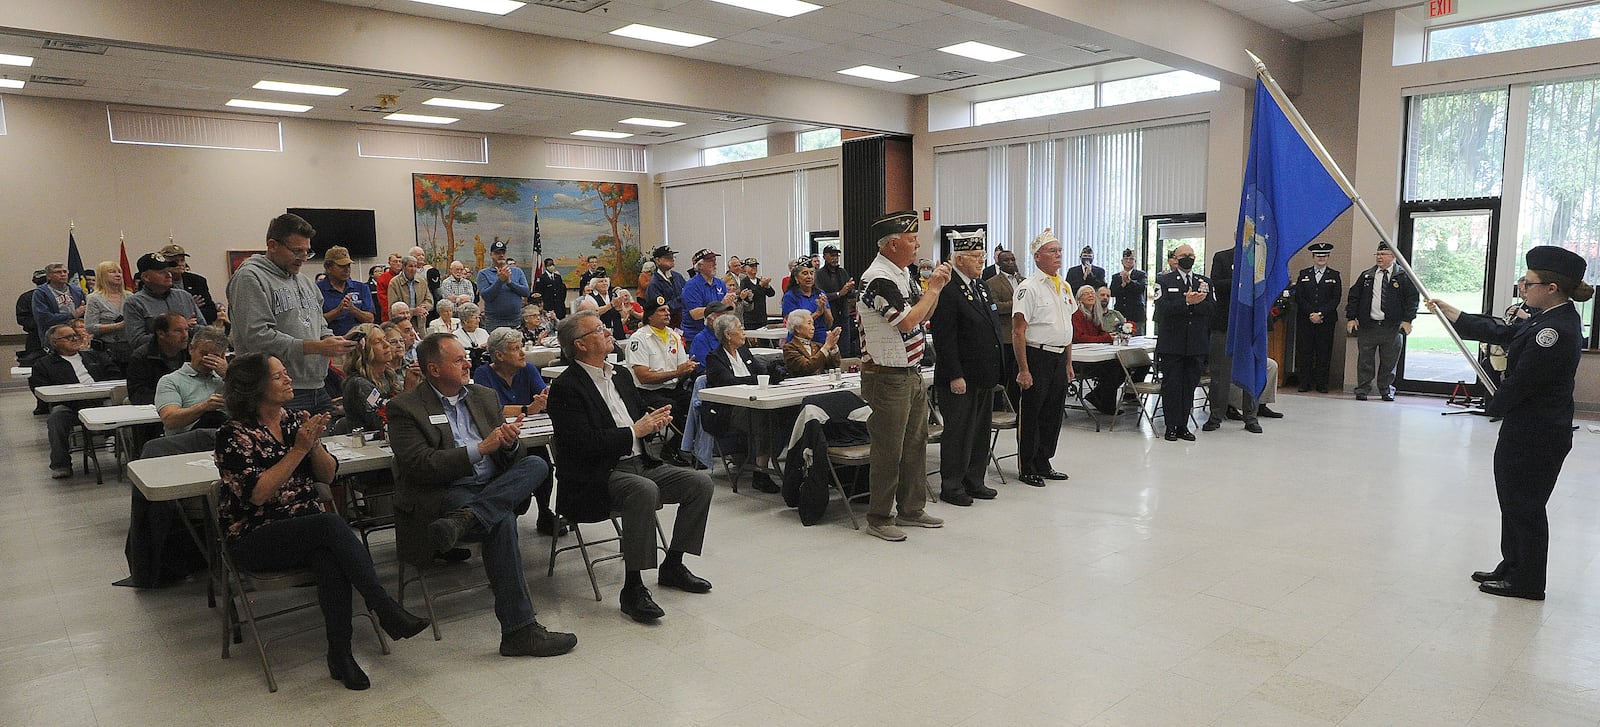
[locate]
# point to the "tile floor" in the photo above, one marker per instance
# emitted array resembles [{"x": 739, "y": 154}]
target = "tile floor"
[{"x": 1314, "y": 575}]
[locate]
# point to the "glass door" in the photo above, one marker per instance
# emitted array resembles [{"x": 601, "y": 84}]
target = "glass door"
[
  {"x": 1451, "y": 248},
  {"x": 1163, "y": 233}
]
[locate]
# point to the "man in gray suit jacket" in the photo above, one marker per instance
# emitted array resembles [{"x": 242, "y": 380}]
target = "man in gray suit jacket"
[{"x": 463, "y": 475}]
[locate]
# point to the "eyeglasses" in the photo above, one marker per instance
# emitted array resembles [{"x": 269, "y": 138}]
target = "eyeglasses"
[
  {"x": 1524, "y": 282},
  {"x": 601, "y": 329},
  {"x": 303, "y": 254}
]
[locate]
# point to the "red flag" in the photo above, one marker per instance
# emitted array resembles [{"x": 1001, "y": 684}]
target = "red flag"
[{"x": 128, "y": 281}]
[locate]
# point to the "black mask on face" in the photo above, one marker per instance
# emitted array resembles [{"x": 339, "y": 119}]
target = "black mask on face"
[{"x": 1186, "y": 262}]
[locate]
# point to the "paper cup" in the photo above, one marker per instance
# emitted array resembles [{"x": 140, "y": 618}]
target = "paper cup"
[{"x": 763, "y": 381}]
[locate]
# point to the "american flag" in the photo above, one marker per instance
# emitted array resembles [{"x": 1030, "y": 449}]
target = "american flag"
[{"x": 538, "y": 245}]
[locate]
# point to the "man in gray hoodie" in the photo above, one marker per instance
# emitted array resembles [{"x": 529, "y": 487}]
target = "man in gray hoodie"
[{"x": 278, "y": 312}]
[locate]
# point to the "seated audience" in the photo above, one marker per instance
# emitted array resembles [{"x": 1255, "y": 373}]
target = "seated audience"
[
  {"x": 628, "y": 310},
  {"x": 660, "y": 363},
  {"x": 471, "y": 334},
  {"x": 446, "y": 322},
  {"x": 522, "y": 392},
  {"x": 465, "y": 480},
  {"x": 270, "y": 460},
  {"x": 599, "y": 420},
  {"x": 70, "y": 362},
  {"x": 163, "y": 354},
  {"x": 732, "y": 363},
  {"x": 706, "y": 340},
  {"x": 370, "y": 381},
  {"x": 536, "y": 326},
  {"x": 190, "y": 397},
  {"x": 802, "y": 355},
  {"x": 1106, "y": 375}
]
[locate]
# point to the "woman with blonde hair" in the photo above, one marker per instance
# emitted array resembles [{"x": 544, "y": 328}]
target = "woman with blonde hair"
[{"x": 102, "y": 314}]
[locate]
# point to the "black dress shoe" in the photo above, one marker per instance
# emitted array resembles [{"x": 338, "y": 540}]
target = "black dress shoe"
[
  {"x": 1361, "y": 397},
  {"x": 1253, "y": 427},
  {"x": 982, "y": 492},
  {"x": 551, "y": 524},
  {"x": 677, "y": 575},
  {"x": 1502, "y": 588},
  {"x": 343, "y": 667},
  {"x": 959, "y": 499},
  {"x": 1304, "y": 388},
  {"x": 1322, "y": 389},
  {"x": 1172, "y": 435},
  {"x": 639, "y": 606},
  {"x": 763, "y": 482},
  {"x": 1211, "y": 425},
  {"x": 1054, "y": 475},
  {"x": 536, "y": 640},
  {"x": 453, "y": 555},
  {"x": 1263, "y": 411},
  {"x": 1484, "y": 576},
  {"x": 1032, "y": 480},
  {"x": 1186, "y": 435},
  {"x": 1234, "y": 413},
  {"x": 1388, "y": 397}
]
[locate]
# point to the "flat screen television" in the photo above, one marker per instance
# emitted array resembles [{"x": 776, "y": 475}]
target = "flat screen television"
[{"x": 356, "y": 230}]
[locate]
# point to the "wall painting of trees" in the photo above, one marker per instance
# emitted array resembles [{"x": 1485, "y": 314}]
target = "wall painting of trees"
[{"x": 459, "y": 217}]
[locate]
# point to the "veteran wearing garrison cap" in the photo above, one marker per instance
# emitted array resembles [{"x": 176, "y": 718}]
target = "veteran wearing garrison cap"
[
  {"x": 967, "y": 369},
  {"x": 892, "y": 316},
  {"x": 1535, "y": 402},
  {"x": 659, "y": 359},
  {"x": 1129, "y": 287},
  {"x": 1380, "y": 308},
  {"x": 1085, "y": 272},
  {"x": 1316, "y": 301},
  {"x": 1041, "y": 335}
]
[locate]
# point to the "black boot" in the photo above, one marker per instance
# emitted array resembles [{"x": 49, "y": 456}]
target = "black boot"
[
  {"x": 399, "y": 623},
  {"x": 343, "y": 666}
]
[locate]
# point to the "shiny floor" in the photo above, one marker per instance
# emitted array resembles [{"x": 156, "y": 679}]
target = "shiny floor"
[{"x": 1313, "y": 575}]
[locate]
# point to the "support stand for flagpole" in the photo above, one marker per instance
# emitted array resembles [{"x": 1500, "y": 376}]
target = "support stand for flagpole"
[{"x": 1339, "y": 177}]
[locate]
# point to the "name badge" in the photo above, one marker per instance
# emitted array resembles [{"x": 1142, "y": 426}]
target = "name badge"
[
  {"x": 438, "y": 419},
  {"x": 1172, "y": 290}
]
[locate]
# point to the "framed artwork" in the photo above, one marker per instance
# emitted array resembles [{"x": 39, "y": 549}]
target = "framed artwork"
[{"x": 237, "y": 258}]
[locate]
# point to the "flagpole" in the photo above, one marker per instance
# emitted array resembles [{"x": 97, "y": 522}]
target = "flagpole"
[{"x": 1332, "y": 166}]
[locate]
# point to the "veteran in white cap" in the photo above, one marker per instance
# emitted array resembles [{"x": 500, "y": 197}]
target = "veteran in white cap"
[{"x": 1041, "y": 334}]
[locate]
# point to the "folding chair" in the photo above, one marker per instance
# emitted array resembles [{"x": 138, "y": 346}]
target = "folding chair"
[
  {"x": 239, "y": 586},
  {"x": 935, "y": 436},
  {"x": 582, "y": 546},
  {"x": 1004, "y": 419},
  {"x": 1130, "y": 359}
]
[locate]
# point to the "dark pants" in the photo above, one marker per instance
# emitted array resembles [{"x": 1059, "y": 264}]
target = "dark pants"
[
  {"x": 62, "y": 419},
  {"x": 495, "y": 504},
  {"x": 1221, "y": 368},
  {"x": 637, "y": 491},
  {"x": 1107, "y": 377},
  {"x": 1526, "y": 466},
  {"x": 1179, "y": 375},
  {"x": 1039, "y": 417},
  {"x": 324, "y": 543},
  {"x": 316, "y": 401},
  {"x": 676, "y": 396},
  {"x": 964, "y": 446},
  {"x": 1313, "y": 352}
]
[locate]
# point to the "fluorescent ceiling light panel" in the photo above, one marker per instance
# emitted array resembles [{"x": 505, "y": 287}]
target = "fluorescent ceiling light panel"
[
  {"x": 11, "y": 60},
  {"x": 299, "y": 88},
  {"x": 662, "y": 35},
  {"x": 456, "y": 103},
  {"x": 641, "y": 121},
  {"x": 421, "y": 119},
  {"x": 601, "y": 134},
  {"x": 493, "y": 7},
  {"x": 12, "y": 83},
  {"x": 878, "y": 74},
  {"x": 269, "y": 105},
  {"x": 981, "y": 51},
  {"x": 786, "y": 8}
]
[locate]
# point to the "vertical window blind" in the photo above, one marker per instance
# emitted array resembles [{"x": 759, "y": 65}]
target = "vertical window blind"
[{"x": 767, "y": 215}]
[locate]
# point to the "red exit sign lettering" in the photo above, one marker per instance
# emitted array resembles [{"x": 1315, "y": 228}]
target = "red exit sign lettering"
[{"x": 1441, "y": 8}]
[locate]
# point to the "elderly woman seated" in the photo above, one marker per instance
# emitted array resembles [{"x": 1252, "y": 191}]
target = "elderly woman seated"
[
  {"x": 536, "y": 325},
  {"x": 270, "y": 460},
  {"x": 522, "y": 391},
  {"x": 802, "y": 355},
  {"x": 447, "y": 321},
  {"x": 732, "y": 363},
  {"x": 1107, "y": 375},
  {"x": 471, "y": 335}
]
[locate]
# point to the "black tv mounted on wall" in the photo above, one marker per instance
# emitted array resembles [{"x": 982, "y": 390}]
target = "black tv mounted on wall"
[{"x": 356, "y": 230}]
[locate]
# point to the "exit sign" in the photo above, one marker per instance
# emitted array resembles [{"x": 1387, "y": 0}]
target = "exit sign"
[{"x": 1441, "y": 8}]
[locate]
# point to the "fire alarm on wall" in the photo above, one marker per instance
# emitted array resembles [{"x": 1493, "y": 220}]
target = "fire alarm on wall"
[{"x": 927, "y": 214}]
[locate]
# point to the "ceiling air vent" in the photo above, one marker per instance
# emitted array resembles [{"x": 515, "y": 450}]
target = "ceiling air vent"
[
  {"x": 1090, "y": 47},
  {"x": 953, "y": 75},
  {"x": 75, "y": 46},
  {"x": 1317, "y": 6},
  {"x": 657, "y": 133},
  {"x": 730, "y": 118},
  {"x": 375, "y": 109},
  {"x": 579, "y": 6},
  {"x": 57, "y": 80},
  {"x": 437, "y": 86}
]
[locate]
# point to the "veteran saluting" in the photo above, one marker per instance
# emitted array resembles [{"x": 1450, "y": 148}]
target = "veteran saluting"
[{"x": 1535, "y": 402}]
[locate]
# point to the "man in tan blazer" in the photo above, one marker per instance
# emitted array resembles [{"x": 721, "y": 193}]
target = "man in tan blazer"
[{"x": 1003, "y": 286}]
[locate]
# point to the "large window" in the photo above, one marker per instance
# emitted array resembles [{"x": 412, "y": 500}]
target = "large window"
[
  {"x": 1032, "y": 105},
  {"x": 1455, "y": 145},
  {"x": 1561, "y": 182},
  {"x": 735, "y": 152},
  {"x": 816, "y": 139},
  {"x": 1150, "y": 88},
  {"x": 1079, "y": 98},
  {"x": 1529, "y": 30}
]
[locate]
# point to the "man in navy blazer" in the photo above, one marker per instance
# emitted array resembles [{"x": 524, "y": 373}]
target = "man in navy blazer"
[
  {"x": 1184, "y": 307},
  {"x": 970, "y": 364},
  {"x": 603, "y": 466}
]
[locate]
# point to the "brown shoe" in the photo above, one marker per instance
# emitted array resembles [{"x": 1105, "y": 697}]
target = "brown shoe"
[
  {"x": 535, "y": 640},
  {"x": 448, "y": 530}
]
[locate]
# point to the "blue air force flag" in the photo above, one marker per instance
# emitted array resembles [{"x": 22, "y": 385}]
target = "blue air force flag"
[{"x": 1289, "y": 198}]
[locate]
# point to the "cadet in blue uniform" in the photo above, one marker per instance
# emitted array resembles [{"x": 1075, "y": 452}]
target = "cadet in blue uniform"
[
  {"x": 1535, "y": 400},
  {"x": 1316, "y": 296},
  {"x": 1184, "y": 304}
]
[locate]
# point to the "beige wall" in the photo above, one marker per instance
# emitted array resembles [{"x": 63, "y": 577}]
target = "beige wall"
[{"x": 64, "y": 168}]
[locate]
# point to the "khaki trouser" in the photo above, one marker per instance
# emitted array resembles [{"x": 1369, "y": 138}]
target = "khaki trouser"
[{"x": 898, "y": 427}]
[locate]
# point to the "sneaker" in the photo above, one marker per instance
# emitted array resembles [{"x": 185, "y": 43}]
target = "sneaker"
[
  {"x": 886, "y": 531},
  {"x": 919, "y": 520},
  {"x": 535, "y": 640},
  {"x": 60, "y": 473}
]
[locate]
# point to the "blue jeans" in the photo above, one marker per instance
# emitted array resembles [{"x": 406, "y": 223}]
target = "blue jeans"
[
  {"x": 495, "y": 504},
  {"x": 315, "y": 400}
]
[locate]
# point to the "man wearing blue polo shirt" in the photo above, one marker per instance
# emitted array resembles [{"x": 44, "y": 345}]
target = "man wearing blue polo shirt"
[
  {"x": 702, "y": 290},
  {"x": 346, "y": 303},
  {"x": 503, "y": 288}
]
